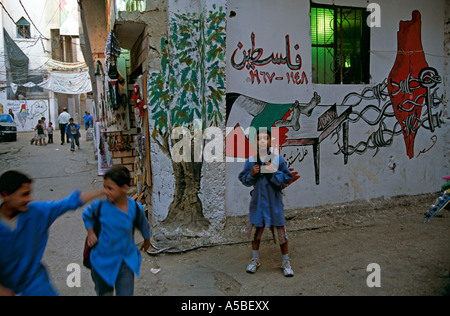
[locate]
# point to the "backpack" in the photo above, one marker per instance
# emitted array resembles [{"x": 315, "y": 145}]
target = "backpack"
[{"x": 97, "y": 228}]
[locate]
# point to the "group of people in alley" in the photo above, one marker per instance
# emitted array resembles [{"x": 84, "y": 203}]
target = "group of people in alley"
[
  {"x": 70, "y": 131},
  {"x": 114, "y": 258}
]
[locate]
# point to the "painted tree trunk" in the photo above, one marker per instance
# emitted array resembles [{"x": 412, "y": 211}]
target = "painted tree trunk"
[{"x": 186, "y": 210}]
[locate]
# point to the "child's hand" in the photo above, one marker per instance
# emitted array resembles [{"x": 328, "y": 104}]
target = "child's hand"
[
  {"x": 269, "y": 168},
  {"x": 145, "y": 245},
  {"x": 6, "y": 292},
  {"x": 92, "y": 239},
  {"x": 255, "y": 170}
]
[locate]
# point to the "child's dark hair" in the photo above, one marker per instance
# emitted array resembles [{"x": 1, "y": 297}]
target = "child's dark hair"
[
  {"x": 119, "y": 174},
  {"x": 11, "y": 181},
  {"x": 263, "y": 131}
]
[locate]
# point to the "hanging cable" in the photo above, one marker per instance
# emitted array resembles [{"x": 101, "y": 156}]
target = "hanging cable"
[
  {"x": 7, "y": 13},
  {"x": 26, "y": 12}
]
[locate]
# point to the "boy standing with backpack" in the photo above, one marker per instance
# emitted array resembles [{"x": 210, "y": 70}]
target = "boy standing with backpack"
[{"x": 115, "y": 259}]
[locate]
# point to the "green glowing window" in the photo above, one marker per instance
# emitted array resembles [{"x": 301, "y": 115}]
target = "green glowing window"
[{"x": 340, "y": 41}]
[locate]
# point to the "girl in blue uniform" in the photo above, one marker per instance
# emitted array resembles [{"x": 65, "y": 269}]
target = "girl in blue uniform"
[
  {"x": 115, "y": 259},
  {"x": 24, "y": 226},
  {"x": 268, "y": 173}
]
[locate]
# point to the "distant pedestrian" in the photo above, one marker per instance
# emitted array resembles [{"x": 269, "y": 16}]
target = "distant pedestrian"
[
  {"x": 24, "y": 230},
  {"x": 73, "y": 132},
  {"x": 115, "y": 259},
  {"x": 40, "y": 133},
  {"x": 50, "y": 130},
  {"x": 63, "y": 120},
  {"x": 44, "y": 124},
  {"x": 91, "y": 120},
  {"x": 268, "y": 174},
  {"x": 86, "y": 118}
]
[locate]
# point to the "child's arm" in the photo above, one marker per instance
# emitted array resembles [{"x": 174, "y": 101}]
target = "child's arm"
[
  {"x": 77, "y": 199},
  {"x": 247, "y": 176},
  {"x": 144, "y": 227},
  {"x": 88, "y": 196},
  {"x": 281, "y": 177},
  {"x": 89, "y": 221}
]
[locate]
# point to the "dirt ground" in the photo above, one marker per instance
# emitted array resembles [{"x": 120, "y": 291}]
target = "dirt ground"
[{"x": 330, "y": 247}]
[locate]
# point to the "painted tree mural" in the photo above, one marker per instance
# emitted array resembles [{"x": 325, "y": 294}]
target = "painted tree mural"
[{"x": 188, "y": 93}]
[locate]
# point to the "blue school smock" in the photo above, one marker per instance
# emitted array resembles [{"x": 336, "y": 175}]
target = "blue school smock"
[
  {"x": 21, "y": 249},
  {"x": 115, "y": 243},
  {"x": 266, "y": 204},
  {"x": 68, "y": 132}
]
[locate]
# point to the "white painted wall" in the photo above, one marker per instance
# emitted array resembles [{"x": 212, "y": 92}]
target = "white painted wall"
[{"x": 365, "y": 176}]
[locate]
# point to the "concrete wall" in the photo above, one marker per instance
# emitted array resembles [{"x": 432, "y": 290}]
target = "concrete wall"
[
  {"x": 369, "y": 171},
  {"x": 362, "y": 156}
]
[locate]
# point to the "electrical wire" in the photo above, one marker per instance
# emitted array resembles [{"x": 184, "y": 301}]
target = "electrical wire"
[
  {"x": 7, "y": 13},
  {"x": 26, "y": 12}
]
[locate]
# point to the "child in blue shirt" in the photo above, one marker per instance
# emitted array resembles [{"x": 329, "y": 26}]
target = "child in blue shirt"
[
  {"x": 268, "y": 173},
  {"x": 24, "y": 226},
  {"x": 73, "y": 132},
  {"x": 115, "y": 259}
]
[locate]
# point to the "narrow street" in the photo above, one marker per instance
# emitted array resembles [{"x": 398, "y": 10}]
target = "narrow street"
[{"x": 330, "y": 249}]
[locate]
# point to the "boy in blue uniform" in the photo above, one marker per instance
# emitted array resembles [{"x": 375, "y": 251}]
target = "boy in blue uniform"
[
  {"x": 115, "y": 259},
  {"x": 73, "y": 132},
  {"x": 268, "y": 174},
  {"x": 24, "y": 226}
]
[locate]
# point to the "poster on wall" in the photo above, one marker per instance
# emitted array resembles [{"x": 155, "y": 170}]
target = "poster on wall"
[
  {"x": 27, "y": 112},
  {"x": 104, "y": 155}
]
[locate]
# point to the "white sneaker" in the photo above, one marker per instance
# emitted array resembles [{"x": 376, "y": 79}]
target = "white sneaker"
[
  {"x": 287, "y": 269},
  {"x": 253, "y": 266}
]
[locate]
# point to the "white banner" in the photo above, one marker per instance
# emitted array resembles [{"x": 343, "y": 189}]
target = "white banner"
[{"x": 69, "y": 83}]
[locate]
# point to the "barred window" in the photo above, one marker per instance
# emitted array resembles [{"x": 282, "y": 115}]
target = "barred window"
[
  {"x": 23, "y": 28},
  {"x": 340, "y": 40}
]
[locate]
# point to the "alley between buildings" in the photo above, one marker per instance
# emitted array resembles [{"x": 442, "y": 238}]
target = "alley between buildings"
[{"x": 331, "y": 249}]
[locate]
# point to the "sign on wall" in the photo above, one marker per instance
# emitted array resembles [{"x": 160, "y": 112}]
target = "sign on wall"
[{"x": 27, "y": 112}]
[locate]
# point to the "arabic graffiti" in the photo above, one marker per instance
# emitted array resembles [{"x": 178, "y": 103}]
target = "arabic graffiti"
[{"x": 253, "y": 58}]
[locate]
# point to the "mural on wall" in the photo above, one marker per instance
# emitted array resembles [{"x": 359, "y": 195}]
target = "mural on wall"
[
  {"x": 27, "y": 112},
  {"x": 410, "y": 83},
  {"x": 404, "y": 103},
  {"x": 188, "y": 90}
]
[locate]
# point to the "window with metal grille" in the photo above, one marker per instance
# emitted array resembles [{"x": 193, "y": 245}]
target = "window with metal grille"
[
  {"x": 340, "y": 40},
  {"x": 23, "y": 28}
]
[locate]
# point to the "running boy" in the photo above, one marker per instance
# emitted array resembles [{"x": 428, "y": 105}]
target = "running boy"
[
  {"x": 115, "y": 259},
  {"x": 24, "y": 226},
  {"x": 268, "y": 173},
  {"x": 73, "y": 132}
]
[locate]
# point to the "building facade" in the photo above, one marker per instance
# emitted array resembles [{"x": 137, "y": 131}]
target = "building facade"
[
  {"x": 355, "y": 94},
  {"x": 43, "y": 69}
]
